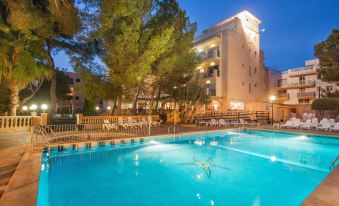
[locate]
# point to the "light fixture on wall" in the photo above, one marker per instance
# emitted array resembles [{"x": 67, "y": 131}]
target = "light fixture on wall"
[{"x": 33, "y": 107}]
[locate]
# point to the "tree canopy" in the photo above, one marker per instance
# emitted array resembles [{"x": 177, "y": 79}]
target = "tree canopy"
[{"x": 328, "y": 54}]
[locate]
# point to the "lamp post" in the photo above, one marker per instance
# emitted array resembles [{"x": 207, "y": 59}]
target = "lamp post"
[
  {"x": 44, "y": 107},
  {"x": 272, "y": 98}
]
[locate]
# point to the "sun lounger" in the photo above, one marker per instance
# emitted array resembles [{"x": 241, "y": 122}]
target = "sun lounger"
[
  {"x": 336, "y": 127},
  {"x": 325, "y": 125},
  {"x": 288, "y": 124},
  {"x": 306, "y": 125}
]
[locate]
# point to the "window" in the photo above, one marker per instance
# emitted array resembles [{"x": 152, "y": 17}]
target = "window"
[
  {"x": 249, "y": 71},
  {"x": 301, "y": 90},
  {"x": 250, "y": 88},
  {"x": 76, "y": 97},
  {"x": 250, "y": 53},
  {"x": 304, "y": 101},
  {"x": 255, "y": 70},
  {"x": 302, "y": 80},
  {"x": 255, "y": 54},
  {"x": 243, "y": 83},
  {"x": 70, "y": 80},
  {"x": 77, "y": 80},
  {"x": 329, "y": 88},
  {"x": 243, "y": 65}
]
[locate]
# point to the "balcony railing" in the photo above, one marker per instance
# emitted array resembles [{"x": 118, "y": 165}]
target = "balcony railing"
[
  {"x": 306, "y": 83},
  {"x": 213, "y": 53},
  {"x": 306, "y": 95},
  {"x": 283, "y": 96}
]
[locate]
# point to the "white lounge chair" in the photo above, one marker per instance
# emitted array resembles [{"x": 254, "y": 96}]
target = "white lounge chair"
[
  {"x": 153, "y": 123},
  {"x": 108, "y": 125},
  {"x": 222, "y": 122},
  {"x": 336, "y": 127},
  {"x": 324, "y": 125},
  {"x": 213, "y": 123},
  {"x": 306, "y": 125},
  {"x": 288, "y": 124},
  {"x": 296, "y": 124}
]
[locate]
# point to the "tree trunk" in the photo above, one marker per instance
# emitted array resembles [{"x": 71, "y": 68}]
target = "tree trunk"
[
  {"x": 119, "y": 105},
  {"x": 52, "y": 89},
  {"x": 114, "y": 105},
  {"x": 158, "y": 98},
  {"x": 152, "y": 100},
  {"x": 134, "y": 109},
  {"x": 13, "y": 99}
]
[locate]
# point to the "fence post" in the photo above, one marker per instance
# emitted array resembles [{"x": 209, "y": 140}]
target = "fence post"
[
  {"x": 44, "y": 117},
  {"x": 79, "y": 117}
]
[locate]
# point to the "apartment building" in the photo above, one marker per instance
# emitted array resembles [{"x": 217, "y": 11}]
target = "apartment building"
[
  {"x": 75, "y": 101},
  {"x": 299, "y": 87},
  {"x": 232, "y": 68}
]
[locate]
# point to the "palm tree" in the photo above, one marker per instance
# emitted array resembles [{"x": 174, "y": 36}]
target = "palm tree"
[{"x": 23, "y": 61}]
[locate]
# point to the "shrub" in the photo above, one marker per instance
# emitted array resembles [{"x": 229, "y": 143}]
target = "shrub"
[{"x": 325, "y": 104}]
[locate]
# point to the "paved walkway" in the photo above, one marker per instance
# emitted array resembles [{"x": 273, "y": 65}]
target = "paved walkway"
[{"x": 12, "y": 147}]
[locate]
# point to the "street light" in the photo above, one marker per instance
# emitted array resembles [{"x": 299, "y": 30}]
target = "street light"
[
  {"x": 272, "y": 98},
  {"x": 33, "y": 107},
  {"x": 97, "y": 108},
  {"x": 109, "y": 108},
  {"x": 44, "y": 107},
  {"x": 25, "y": 108}
]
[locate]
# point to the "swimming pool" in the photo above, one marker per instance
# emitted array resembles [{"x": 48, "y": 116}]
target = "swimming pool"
[{"x": 220, "y": 168}]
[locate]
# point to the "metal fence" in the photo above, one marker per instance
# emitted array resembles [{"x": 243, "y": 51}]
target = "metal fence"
[
  {"x": 261, "y": 116},
  {"x": 49, "y": 135}
]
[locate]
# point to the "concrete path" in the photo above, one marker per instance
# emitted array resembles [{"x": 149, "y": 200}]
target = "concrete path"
[{"x": 12, "y": 147}]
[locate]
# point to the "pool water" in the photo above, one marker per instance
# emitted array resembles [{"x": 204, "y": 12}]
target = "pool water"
[{"x": 221, "y": 168}]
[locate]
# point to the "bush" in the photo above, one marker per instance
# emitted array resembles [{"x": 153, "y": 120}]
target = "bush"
[{"x": 325, "y": 104}]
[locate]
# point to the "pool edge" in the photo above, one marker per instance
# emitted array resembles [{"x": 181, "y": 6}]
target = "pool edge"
[{"x": 22, "y": 189}]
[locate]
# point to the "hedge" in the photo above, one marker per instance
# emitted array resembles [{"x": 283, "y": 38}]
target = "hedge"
[{"x": 326, "y": 104}]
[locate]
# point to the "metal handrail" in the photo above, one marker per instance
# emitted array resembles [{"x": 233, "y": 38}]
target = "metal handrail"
[{"x": 333, "y": 163}]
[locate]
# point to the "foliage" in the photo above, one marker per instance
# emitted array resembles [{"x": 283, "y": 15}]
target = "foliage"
[
  {"x": 188, "y": 98},
  {"x": 129, "y": 46},
  {"x": 328, "y": 54},
  {"x": 326, "y": 104},
  {"x": 177, "y": 64}
]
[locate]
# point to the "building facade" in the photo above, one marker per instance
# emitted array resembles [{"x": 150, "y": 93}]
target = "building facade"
[
  {"x": 232, "y": 68},
  {"x": 74, "y": 102},
  {"x": 299, "y": 87}
]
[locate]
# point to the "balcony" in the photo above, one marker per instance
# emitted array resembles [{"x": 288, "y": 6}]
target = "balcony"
[
  {"x": 284, "y": 96},
  {"x": 303, "y": 71},
  {"x": 211, "y": 53},
  {"x": 298, "y": 84},
  {"x": 306, "y": 95}
]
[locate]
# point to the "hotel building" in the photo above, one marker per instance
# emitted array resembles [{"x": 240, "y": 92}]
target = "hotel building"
[
  {"x": 297, "y": 88},
  {"x": 232, "y": 68}
]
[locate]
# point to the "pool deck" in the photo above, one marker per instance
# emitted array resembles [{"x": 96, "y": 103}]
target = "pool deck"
[{"x": 23, "y": 185}]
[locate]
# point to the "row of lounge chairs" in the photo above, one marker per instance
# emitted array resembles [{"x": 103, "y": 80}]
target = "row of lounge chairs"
[
  {"x": 226, "y": 123},
  {"x": 130, "y": 123},
  {"x": 324, "y": 124}
]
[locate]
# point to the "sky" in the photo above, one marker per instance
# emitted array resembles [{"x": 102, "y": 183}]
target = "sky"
[{"x": 292, "y": 27}]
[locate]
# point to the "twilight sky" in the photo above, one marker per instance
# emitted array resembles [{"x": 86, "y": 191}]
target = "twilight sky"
[{"x": 292, "y": 27}]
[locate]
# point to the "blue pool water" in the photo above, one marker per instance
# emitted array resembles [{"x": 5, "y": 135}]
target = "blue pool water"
[{"x": 221, "y": 168}]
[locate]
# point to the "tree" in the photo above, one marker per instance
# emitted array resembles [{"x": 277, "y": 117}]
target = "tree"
[
  {"x": 188, "y": 97},
  {"x": 22, "y": 62},
  {"x": 179, "y": 60},
  {"x": 328, "y": 54},
  {"x": 55, "y": 22},
  {"x": 130, "y": 47}
]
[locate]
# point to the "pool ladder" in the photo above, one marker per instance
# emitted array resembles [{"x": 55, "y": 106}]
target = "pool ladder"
[
  {"x": 176, "y": 129},
  {"x": 333, "y": 163}
]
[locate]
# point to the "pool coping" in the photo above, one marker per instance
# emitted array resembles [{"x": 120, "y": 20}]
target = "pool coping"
[
  {"x": 23, "y": 186},
  {"x": 22, "y": 189}
]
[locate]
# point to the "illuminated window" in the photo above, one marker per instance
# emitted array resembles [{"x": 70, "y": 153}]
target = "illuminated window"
[{"x": 236, "y": 105}]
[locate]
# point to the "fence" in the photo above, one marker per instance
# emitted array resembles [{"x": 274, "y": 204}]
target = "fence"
[
  {"x": 49, "y": 135},
  {"x": 114, "y": 119},
  {"x": 15, "y": 123},
  {"x": 234, "y": 115}
]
